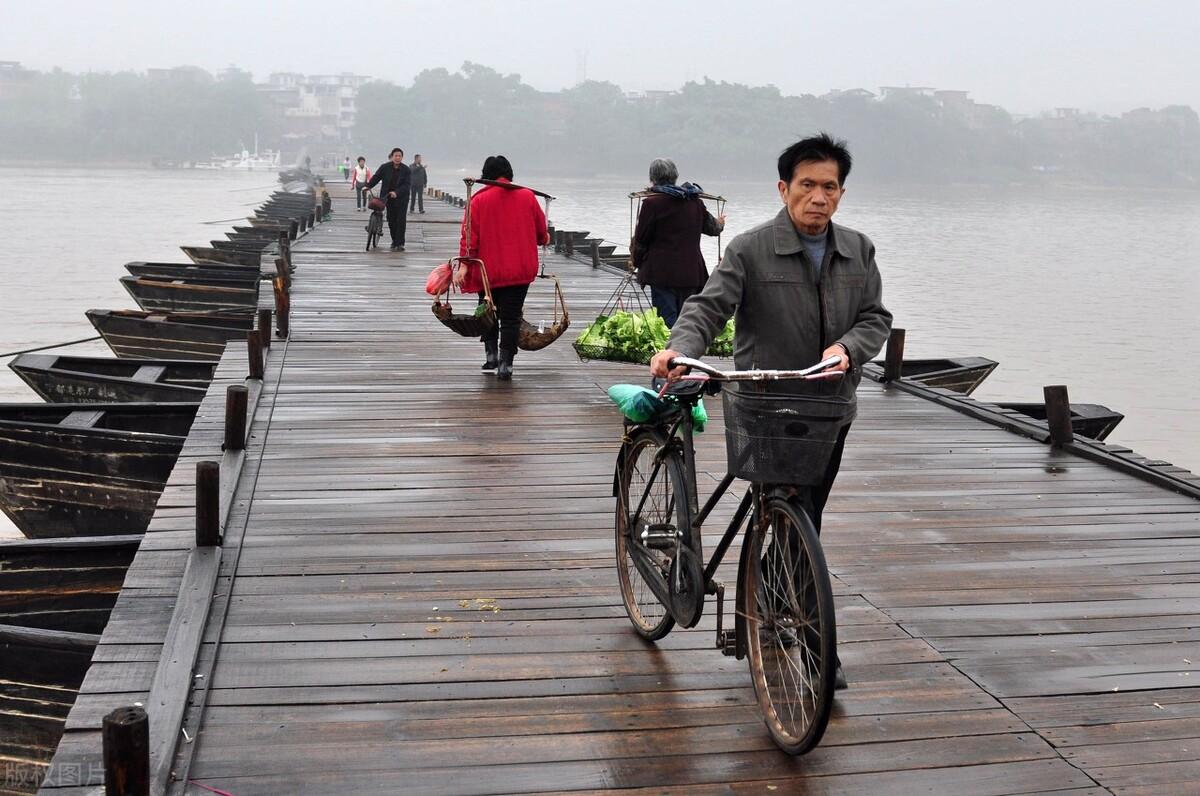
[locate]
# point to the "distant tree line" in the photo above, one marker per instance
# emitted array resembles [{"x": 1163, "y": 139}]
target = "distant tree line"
[
  {"x": 733, "y": 129},
  {"x": 189, "y": 115},
  {"x": 737, "y": 130}
]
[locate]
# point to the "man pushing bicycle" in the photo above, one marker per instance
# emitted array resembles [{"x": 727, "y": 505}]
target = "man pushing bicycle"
[{"x": 804, "y": 290}]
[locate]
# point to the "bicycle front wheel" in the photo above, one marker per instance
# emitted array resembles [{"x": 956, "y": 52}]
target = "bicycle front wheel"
[
  {"x": 644, "y": 569},
  {"x": 791, "y": 638}
]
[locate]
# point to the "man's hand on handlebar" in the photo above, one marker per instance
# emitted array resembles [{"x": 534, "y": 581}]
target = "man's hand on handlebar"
[
  {"x": 837, "y": 350},
  {"x": 660, "y": 365}
]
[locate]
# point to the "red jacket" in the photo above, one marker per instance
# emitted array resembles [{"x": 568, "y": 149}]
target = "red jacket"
[{"x": 507, "y": 226}]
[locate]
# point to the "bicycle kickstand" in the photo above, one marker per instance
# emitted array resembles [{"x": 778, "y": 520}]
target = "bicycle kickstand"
[{"x": 726, "y": 639}]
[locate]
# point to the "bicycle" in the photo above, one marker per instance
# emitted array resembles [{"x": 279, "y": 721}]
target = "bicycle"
[
  {"x": 375, "y": 222},
  {"x": 783, "y": 617}
]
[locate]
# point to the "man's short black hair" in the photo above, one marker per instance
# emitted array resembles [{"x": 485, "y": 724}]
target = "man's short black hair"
[
  {"x": 360, "y": 157},
  {"x": 495, "y": 167},
  {"x": 819, "y": 147},
  {"x": 395, "y": 150}
]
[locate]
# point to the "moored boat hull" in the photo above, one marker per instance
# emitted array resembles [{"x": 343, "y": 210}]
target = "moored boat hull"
[
  {"x": 67, "y": 379},
  {"x": 80, "y": 469},
  {"x": 202, "y": 254},
  {"x": 40, "y": 675},
  {"x": 197, "y": 272},
  {"x": 177, "y": 295},
  {"x": 63, "y": 584},
  {"x": 957, "y": 374},
  {"x": 145, "y": 335}
]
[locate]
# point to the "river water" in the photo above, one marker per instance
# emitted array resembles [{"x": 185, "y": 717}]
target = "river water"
[{"x": 1093, "y": 288}]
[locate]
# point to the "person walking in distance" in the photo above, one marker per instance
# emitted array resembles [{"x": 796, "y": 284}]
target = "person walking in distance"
[
  {"x": 507, "y": 226},
  {"x": 666, "y": 243},
  {"x": 362, "y": 175},
  {"x": 419, "y": 180},
  {"x": 394, "y": 177}
]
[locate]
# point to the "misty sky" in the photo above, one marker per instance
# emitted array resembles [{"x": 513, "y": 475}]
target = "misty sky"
[{"x": 1026, "y": 55}]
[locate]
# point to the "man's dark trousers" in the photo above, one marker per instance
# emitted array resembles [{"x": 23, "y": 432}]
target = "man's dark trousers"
[
  {"x": 418, "y": 197},
  {"x": 397, "y": 218}
]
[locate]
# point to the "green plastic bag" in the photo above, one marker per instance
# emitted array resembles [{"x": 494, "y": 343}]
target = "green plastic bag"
[
  {"x": 639, "y": 404},
  {"x": 699, "y": 417}
]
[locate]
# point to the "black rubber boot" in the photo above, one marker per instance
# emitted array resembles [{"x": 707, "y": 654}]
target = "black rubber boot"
[
  {"x": 509, "y": 335},
  {"x": 504, "y": 370},
  {"x": 491, "y": 349}
]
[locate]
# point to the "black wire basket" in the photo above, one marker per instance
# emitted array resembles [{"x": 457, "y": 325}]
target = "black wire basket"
[{"x": 774, "y": 438}]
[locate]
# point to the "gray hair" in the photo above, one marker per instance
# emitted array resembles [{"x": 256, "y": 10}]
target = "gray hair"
[{"x": 663, "y": 172}]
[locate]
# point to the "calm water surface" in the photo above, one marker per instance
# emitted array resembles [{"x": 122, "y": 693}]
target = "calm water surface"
[{"x": 1093, "y": 288}]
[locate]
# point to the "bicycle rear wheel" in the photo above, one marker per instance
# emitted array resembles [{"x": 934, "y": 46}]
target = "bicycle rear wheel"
[
  {"x": 665, "y": 509},
  {"x": 790, "y": 630}
]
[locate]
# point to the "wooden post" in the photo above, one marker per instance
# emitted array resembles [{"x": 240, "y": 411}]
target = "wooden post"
[
  {"x": 236, "y": 400},
  {"x": 550, "y": 232},
  {"x": 264, "y": 326},
  {"x": 569, "y": 244},
  {"x": 126, "y": 748},
  {"x": 293, "y": 229},
  {"x": 1058, "y": 414},
  {"x": 208, "y": 504},
  {"x": 255, "y": 353},
  {"x": 558, "y": 241},
  {"x": 283, "y": 272},
  {"x": 312, "y": 219},
  {"x": 303, "y": 223},
  {"x": 283, "y": 307},
  {"x": 894, "y": 359},
  {"x": 595, "y": 253}
]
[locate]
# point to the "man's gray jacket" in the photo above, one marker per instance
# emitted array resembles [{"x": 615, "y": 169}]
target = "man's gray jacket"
[{"x": 787, "y": 312}]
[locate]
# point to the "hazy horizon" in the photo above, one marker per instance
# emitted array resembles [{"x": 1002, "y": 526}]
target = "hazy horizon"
[{"x": 1027, "y": 57}]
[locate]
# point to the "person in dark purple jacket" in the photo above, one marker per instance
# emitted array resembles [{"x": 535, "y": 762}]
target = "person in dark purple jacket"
[{"x": 666, "y": 243}]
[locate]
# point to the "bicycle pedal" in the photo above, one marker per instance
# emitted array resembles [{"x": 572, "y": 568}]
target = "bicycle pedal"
[{"x": 727, "y": 643}]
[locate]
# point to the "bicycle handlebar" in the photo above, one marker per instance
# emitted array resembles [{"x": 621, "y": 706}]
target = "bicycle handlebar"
[{"x": 816, "y": 371}]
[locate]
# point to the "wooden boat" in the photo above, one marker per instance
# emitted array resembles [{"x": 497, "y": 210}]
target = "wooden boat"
[
  {"x": 1087, "y": 420},
  {"x": 40, "y": 675},
  {"x": 961, "y": 374},
  {"x": 241, "y": 246},
  {"x": 584, "y": 247},
  {"x": 181, "y": 295},
  {"x": 68, "y": 584},
  {"x": 198, "y": 272},
  {"x": 203, "y": 254},
  {"x": 68, "y": 379},
  {"x": 87, "y": 469},
  {"x": 276, "y": 225},
  {"x": 138, "y": 334}
]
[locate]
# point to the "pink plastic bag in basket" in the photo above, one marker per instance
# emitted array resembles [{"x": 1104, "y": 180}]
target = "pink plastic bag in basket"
[{"x": 439, "y": 280}]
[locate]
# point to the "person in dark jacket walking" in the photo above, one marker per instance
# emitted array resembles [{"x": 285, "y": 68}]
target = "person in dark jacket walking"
[
  {"x": 394, "y": 179},
  {"x": 666, "y": 242},
  {"x": 507, "y": 226},
  {"x": 804, "y": 290},
  {"x": 419, "y": 180}
]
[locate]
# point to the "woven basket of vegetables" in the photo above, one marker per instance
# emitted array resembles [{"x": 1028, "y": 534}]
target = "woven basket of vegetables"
[
  {"x": 478, "y": 323},
  {"x": 635, "y": 337},
  {"x": 535, "y": 338}
]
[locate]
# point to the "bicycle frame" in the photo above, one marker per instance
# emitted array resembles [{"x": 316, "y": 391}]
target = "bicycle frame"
[{"x": 682, "y": 433}]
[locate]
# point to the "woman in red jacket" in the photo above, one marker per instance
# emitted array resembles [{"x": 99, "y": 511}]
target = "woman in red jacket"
[{"x": 507, "y": 226}]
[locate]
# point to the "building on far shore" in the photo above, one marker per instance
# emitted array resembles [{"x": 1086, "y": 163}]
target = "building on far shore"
[{"x": 315, "y": 112}]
